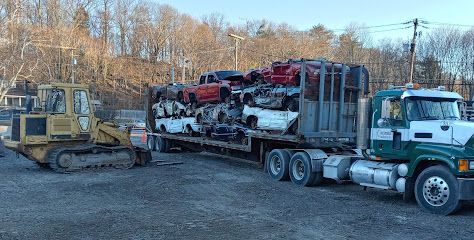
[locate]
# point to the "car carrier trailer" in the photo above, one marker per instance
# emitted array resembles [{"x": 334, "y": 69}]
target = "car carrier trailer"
[{"x": 405, "y": 139}]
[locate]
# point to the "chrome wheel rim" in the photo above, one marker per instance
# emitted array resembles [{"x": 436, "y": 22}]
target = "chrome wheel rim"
[
  {"x": 150, "y": 143},
  {"x": 436, "y": 191},
  {"x": 275, "y": 165},
  {"x": 298, "y": 169}
]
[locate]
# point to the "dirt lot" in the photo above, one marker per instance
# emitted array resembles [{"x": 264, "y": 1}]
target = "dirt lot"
[{"x": 206, "y": 197}]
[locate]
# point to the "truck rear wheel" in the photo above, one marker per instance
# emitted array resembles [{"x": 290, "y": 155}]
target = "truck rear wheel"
[
  {"x": 162, "y": 145},
  {"x": 301, "y": 171},
  {"x": 150, "y": 142},
  {"x": 278, "y": 164},
  {"x": 437, "y": 190}
]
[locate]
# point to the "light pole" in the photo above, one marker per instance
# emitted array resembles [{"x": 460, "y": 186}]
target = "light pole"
[{"x": 237, "y": 39}]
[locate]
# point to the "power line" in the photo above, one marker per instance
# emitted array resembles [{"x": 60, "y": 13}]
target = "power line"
[
  {"x": 446, "y": 24},
  {"x": 376, "y": 26},
  {"x": 389, "y": 30}
]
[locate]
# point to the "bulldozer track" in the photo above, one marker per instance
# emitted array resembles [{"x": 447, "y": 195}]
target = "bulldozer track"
[{"x": 76, "y": 158}]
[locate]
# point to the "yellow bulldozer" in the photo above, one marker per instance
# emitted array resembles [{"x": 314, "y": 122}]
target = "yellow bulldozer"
[{"x": 63, "y": 134}]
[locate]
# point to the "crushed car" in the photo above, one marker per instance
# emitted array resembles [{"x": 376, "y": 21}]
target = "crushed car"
[
  {"x": 288, "y": 73},
  {"x": 218, "y": 113},
  {"x": 271, "y": 96},
  {"x": 235, "y": 133},
  {"x": 170, "y": 108},
  {"x": 267, "y": 119}
]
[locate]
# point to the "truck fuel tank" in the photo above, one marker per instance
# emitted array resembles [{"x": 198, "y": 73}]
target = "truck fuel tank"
[{"x": 375, "y": 174}]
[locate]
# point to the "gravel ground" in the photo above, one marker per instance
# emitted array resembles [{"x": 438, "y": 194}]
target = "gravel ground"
[{"x": 206, "y": 197}]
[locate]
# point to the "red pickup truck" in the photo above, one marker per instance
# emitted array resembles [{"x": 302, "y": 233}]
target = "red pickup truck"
[{"x": 215, "y": 86}]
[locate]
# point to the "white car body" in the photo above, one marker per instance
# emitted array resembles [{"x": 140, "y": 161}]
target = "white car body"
[
  {"x": 269, "y": 119},
  {"x": 177, "y": 125}
]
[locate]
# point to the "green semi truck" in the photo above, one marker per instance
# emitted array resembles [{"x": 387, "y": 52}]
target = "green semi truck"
[{"x": 404, "y": 139}]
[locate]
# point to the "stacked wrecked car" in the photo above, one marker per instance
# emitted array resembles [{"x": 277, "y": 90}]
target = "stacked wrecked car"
[{"x": 227, "y": 105}]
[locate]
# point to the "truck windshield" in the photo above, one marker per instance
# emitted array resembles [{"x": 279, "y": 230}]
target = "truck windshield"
[
  {"x": 224, "y": 74},
  {"x": 431, "y": 109}
]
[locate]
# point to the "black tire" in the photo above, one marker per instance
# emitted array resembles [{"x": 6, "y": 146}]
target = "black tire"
[
  {"x": 248, "y": 100},
  {"x": 225, "y": 95},
  {"x": 162, "y": 129},
  {"x": 199, "y": 118},
  {"x": 168, "y": 145},
  {"x": 252, "y": 122},
  {"x": 437, "y": 191},
  {"x": 190, "y": 131},
  {"x": 278, "y": 161},
  {"x": 180, "y": 97},
  {"x": 301, "y": 171},
  {"x": 161, "y": 145},
  {"x": 222, "y": 117},
  {"x": 290, "y": 104},
  {"x": 150, "y": 142}
]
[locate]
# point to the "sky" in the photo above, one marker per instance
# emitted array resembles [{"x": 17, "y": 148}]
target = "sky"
[{"x": 304, "y": 14}]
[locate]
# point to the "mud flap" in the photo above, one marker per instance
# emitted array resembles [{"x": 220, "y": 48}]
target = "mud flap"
[{"x": 143, "y": 156}]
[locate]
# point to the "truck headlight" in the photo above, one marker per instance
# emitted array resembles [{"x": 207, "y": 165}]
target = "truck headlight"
[{"x": 471, "y": 165}]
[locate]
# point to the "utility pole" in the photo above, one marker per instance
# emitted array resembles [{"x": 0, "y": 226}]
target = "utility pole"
[
  {"x": 73, "y": 67},
  {"x": 237, "y": 39},
  {"x": 412, "y": 51}
]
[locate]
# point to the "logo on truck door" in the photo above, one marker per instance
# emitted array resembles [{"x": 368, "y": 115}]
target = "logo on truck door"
[{"x": 383, "y": 134}]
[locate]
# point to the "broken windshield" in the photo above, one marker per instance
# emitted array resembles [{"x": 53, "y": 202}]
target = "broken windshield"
[{"x": 431, "y": 109}]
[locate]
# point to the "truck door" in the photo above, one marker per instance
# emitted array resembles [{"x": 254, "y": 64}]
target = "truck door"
[
  {"x": 201, "y": 89},
  {"x": 82, "y": 112},
  {"x": 212, "y": 88},
  {"x": 391, "y": 134}
]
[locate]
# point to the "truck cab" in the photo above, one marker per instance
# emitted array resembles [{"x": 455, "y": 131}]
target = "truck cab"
[{"x": 423, "y": 129}]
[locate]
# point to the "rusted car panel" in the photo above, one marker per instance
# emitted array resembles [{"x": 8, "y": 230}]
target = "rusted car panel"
[
  {"x": 216, "y": 86},
  {"x": 271, "y": 96},
  {"x": 266, "y": 119}
]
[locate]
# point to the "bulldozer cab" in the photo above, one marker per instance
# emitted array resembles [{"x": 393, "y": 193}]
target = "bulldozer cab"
[{"x": 68, "y": 111}]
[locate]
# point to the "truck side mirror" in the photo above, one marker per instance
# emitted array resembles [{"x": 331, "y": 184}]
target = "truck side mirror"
[
  {"x": 385, "y": 113},
  {"x": 383, "y": 122}
]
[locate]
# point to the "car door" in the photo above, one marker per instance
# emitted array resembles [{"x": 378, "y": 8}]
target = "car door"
[{"x": 212, "y": 88}]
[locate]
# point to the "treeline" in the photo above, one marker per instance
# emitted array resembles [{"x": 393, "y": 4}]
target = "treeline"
[{"x": 118, "y": 46}]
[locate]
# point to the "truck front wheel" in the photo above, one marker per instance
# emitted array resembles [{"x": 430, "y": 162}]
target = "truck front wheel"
[
  {"x": 278, "y": 163},
  {"x": 301, "y": 171},
  {"x": 437, "y": 190}
]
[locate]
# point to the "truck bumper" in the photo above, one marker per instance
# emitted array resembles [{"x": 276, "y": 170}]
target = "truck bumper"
[{"x": 466, "y": 188}]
